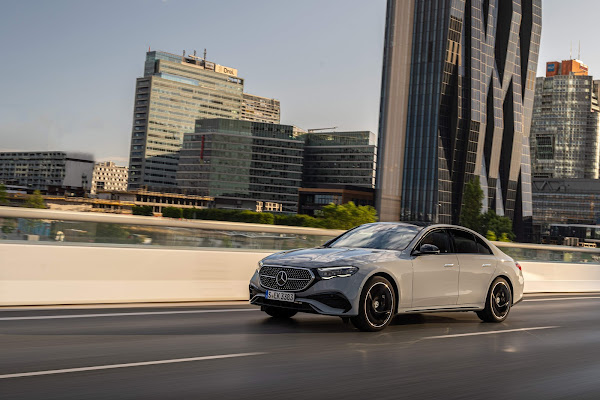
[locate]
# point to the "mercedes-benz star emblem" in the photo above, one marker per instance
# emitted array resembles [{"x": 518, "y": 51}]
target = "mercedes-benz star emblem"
[{"x": 281, "y": 278}]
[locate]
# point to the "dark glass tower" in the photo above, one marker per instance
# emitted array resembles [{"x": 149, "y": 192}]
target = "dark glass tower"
[{"x": 457, "y": 94}]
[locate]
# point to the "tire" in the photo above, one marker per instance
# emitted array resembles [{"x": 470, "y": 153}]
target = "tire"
[
  {"x": 280, "y": 313},
  {"x": 497, "y": 303},
  {"x": 377, "y": 305}
]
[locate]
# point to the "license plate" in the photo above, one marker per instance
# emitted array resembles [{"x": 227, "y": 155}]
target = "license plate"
[{"x": 281, "y": 296}]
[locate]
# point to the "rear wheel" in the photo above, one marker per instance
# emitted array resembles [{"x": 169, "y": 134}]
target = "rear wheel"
[
  {"x": 377, "y": 305},
  {"x": 498, "y": 302},
  {"x": 277, "y": 312}
]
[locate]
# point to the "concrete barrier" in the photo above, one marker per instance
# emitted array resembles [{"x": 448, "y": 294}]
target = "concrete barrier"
[{"x": 42, "y": 274}]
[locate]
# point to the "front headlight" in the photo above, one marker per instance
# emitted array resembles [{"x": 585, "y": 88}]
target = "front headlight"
[
  {"x": 336, "y": 272},
  {"x": 260, "y": 264}
]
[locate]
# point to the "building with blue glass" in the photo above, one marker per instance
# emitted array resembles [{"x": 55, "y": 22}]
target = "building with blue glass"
[{"x": 457, "y": 95}]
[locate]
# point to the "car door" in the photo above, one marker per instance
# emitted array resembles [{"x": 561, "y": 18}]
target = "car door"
[
  {"x": 435, "y": 276},
  {"x": 477, "y": 264}
]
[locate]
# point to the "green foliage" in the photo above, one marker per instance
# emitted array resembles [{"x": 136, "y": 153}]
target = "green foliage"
[
  {"x": 142, "y": 210},
  {"x": 3, "y": 195},
  {"x": 9, "y": 226},
  {"x": 296, "y": 220},
  {"x": 172, "y": 212},
  {"x": 35, "y": 200},
  {"x": 470, "y": 215},
  {"x": 490, "y": 235},
  {"x": 346, "y": 216},
  {"x": 505, "y": 238},
  {"x": 500, "y": 226}
]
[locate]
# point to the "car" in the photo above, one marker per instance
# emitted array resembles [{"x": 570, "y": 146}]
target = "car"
[{"x": 375, "y": 271}]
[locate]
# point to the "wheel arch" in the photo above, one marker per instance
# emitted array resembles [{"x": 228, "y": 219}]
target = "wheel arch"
[{"x": 510, "y": 284}]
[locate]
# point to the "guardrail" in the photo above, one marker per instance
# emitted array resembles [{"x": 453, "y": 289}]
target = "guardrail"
[{"x": 58, "y": 257}]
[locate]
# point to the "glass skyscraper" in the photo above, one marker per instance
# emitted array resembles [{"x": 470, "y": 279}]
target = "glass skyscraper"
[
  {"x": 174, "y": 92},
  {"x": 457, "y": 95},
  {"x": 243, "y": 164}
]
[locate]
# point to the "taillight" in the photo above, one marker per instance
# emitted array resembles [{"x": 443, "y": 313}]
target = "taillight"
[{"x": 518, "y": 266}]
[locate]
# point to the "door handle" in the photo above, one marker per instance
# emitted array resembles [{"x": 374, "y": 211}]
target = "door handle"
[
  {"x": 486, "y": 265},
  {"x": 448, "y": 265}
]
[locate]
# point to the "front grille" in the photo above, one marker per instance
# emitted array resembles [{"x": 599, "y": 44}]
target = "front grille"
[
  {"x": 297, "y": 278},
  {"x": 333, "y": 300}
]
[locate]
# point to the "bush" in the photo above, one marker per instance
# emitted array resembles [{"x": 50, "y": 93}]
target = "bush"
[
  {"x": 142, "y": 210},
  {"x": 296, "y": 220},
  {"x": 172, "y": 212}
]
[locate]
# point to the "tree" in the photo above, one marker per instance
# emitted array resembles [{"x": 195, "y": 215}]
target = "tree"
[
  {"x": 35, "y": 200},
  {"x": 470, "y": 214},
  {"x": 345, "y": 216},
  {"x": 498, "y": 225},
  {"x": 3, "y": 196}
]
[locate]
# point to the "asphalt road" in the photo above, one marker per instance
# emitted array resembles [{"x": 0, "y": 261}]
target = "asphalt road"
[{"x": 549, "y": 348}]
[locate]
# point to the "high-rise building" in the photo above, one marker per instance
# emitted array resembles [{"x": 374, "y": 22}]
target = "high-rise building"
[
  {"x": 174, "y": 92},
  {"x": 242, "y": 164},
  {"x": 109, "y": 176},
  {"x": 339, "y": 158},
  {"x": 260, "y": 109},
  {"x": 457, "y": 95},
  {"x": 565, "y": 129},
  {"x": 47, "y": 171}
]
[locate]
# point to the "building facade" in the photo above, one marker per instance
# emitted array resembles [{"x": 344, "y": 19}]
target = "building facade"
[
  {"x": 457, "y": 96},
  {"x": 242, "y": 164},
  {"x": 339, "y": 158},
  {"x": 260, "y": 109},
  {"x": 565, "y": 129},
  {"x": 174, "y": 92},
  {"x": 54, "y": 171},
  {"x": 109, "y": 176}
]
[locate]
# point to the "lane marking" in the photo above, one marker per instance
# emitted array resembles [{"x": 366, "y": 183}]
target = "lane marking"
[
  {"x": 126, "y": 314},
  {"x": 492, "y": 332},
  {"x": 128, "y": 365},
  {"x": 564, "y": 298}
]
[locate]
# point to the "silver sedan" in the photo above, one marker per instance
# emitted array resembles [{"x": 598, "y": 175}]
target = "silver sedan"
[{"x": 375, "y": 271}]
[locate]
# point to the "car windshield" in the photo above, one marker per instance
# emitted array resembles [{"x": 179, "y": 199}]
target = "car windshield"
[{"x": 378, "y": 236}]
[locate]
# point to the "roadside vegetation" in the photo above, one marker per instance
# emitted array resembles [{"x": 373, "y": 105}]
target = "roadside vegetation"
[{"x": 489, "y": 224}]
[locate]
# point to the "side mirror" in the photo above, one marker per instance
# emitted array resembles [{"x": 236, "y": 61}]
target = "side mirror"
[{"x": 427, "y": 249}]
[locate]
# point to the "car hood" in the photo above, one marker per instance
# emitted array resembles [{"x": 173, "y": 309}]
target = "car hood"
[{"x": 320, "y": 256}]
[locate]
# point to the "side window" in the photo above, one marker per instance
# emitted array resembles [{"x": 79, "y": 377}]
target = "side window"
[
  {"x": 464, "y": 242},
  {"x": 439, "y": 238},
  {"x": 482, "y": 247}
]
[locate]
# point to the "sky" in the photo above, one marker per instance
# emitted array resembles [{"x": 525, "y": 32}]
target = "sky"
[{"x": 68, "y": 67}]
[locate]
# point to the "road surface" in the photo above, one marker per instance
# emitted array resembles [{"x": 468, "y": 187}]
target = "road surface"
[{"x": 548, "y": 348}]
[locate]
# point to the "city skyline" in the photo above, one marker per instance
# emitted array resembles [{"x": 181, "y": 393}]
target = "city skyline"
[{"x": 325, "y": 75}]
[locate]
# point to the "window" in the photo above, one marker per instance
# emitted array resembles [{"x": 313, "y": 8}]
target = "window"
[
  {"x": 464, "y": 242},
  {"x": 482, "y": 247},
  {"x": 440, "y": 239}
]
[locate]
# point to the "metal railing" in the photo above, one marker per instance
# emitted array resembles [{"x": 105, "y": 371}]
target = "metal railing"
[{"x": 99, "y": 229}]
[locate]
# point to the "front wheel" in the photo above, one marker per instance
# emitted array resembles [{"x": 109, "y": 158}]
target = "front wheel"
[
  {"x": 281, "y": 313},
  {"x": 498, "y": 302},
  {"x": 377, "y": 305}
]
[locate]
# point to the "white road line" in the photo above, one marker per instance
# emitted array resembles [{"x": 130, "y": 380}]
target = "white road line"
[
  {"x": 126, "y": 314},
  {"x": 564, "y": 298},
  {"x": 137, "y": 364},
  {"x": 491, "y": 332}
]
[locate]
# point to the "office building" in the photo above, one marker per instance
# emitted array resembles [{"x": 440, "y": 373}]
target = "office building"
[
  {"x": 109, "y": 176},
  {"x": 565, "y": 129},
  {"x": 260, "y": 109},
  {"x": 56, "y": 172},
  {"x": 174, "y": 92},
  {"x": 242, "y": 164},
  {"x": 457, "y": 95},
  {"x": 339, "y": 158}
]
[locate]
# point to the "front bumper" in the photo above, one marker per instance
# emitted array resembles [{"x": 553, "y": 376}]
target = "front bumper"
[{"x": 337, "y": 297}]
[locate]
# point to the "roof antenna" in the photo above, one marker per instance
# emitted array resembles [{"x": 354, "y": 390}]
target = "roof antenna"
[
  {"x": 579, "y": 51},
  {"x": 204, "y": 54},
  {"x": 194, "y": 53},
  {"x": 571, "y": 51}
]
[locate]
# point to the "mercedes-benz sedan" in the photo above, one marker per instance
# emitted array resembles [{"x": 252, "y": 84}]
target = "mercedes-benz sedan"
[{"x": 375, "y": 271}]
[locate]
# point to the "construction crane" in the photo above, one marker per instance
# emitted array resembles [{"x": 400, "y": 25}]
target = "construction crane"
[{"x": 321, "y": 129}]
